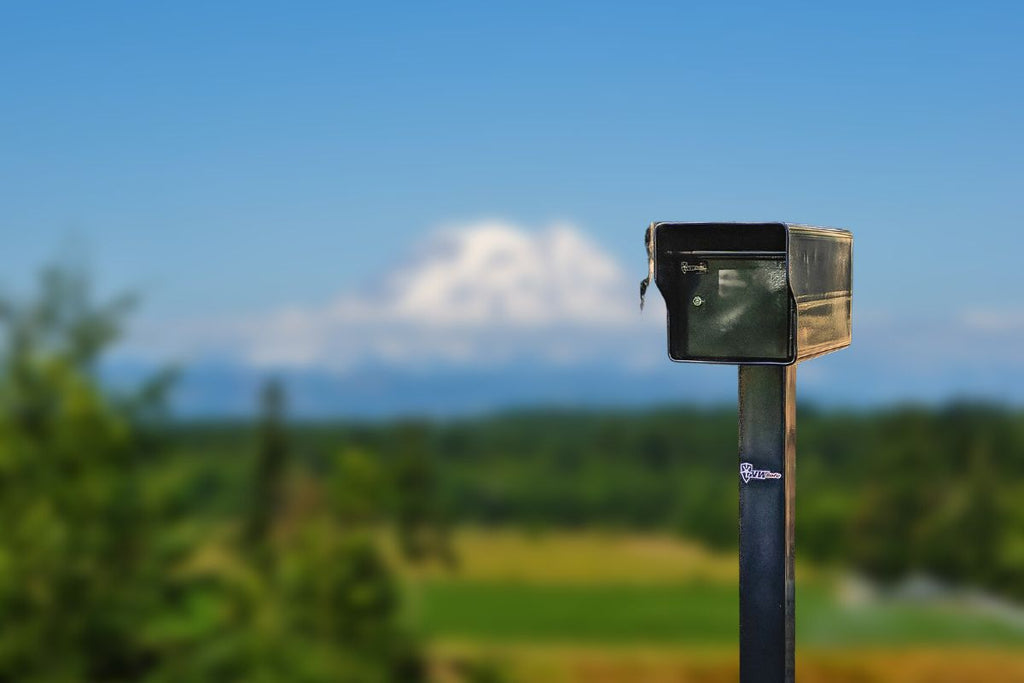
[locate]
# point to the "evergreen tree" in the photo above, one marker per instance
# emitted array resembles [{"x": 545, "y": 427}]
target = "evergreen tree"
[{"x": 266, "y": 495}]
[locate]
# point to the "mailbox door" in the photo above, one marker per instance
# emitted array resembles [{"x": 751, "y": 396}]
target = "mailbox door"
[{"x": 730, "y": 307}]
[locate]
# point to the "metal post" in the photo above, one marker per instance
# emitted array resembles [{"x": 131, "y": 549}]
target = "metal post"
[{"x": 767, "y": 486}]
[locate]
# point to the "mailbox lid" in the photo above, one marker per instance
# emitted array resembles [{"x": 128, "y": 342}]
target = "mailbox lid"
[{"x": 726, "y": 291}]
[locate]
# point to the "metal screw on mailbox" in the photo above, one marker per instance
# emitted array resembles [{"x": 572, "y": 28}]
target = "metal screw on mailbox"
[{"x": 777, "y": 294}]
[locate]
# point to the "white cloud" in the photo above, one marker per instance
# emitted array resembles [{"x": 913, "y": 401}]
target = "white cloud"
[
  {"x": 991, "y": 321},
  {"x": 470, "y": 294}
]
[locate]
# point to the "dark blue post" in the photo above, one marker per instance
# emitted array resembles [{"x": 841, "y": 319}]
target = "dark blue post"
[{"x": 767, "y": 486}]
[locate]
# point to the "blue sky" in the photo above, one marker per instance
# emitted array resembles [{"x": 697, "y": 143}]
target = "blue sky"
[{"x": 231, "y": 158}]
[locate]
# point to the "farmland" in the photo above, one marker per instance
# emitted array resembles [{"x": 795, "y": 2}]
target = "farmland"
[{"x": 610, "y": 606}]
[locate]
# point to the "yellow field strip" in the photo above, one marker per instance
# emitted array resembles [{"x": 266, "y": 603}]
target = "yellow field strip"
[
  {"x": 570, "y": 664},
  {"x": 580, "y": 557}
]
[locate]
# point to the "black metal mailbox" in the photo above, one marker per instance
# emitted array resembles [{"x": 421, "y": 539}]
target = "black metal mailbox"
[
  {"x": 752, "y": 293},
  {"x": 763, "y": 296}
]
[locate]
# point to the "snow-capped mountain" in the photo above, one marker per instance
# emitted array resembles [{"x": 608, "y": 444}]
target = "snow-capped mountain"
[{"x": 490, "y": 314}]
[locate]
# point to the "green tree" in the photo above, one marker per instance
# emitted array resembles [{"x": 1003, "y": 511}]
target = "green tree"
[
  {"x": 104, "y": 577},
  {"x": 896, "y": 498},
  {"x": 266, "y": 494},
  {"x": 960, "y": 537},
  {"x": 358, "y": 489},
  {"x": 422, "y": 526},
  {"x": 73, "y": 531}
]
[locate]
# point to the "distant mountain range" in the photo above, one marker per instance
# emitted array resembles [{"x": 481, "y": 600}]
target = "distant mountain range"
[
  {"x": 490, "y": 316},
  {"x": 226, "y": 390}
]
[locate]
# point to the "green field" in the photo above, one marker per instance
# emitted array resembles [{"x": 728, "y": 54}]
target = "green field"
[
  {"x": 592, "y": 614},
  {"x": 684, "y": 614},
  {"x": 591, "y": 587},
  {"x": 589, "y": 606}
]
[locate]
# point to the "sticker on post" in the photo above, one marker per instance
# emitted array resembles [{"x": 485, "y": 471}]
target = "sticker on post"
[{"x": 747, "y": 472}]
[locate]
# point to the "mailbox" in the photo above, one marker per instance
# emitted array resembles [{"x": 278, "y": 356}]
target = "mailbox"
[
  {"x": 763, "y": 296},
  {"x": 752, "y": 293}
]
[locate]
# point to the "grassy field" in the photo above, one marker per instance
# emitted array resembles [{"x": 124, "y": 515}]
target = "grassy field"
[
  {"x": 691, "y": 614},
  {"x": 608, "y": 607}
]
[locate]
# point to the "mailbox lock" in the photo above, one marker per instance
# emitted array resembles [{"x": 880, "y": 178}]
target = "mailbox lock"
[{"x": 698, "y": 301}]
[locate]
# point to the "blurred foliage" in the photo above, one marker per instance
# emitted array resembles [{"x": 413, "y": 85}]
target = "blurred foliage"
[
  {"x": 74, "y": 560},
  {"x": 136, "y": 549},
  {"x": 423, "y": 531},
  {"x": 109, "y": 571}
]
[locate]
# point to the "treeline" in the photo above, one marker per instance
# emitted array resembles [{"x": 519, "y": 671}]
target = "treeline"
[{"x": 887, "y": 491}]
